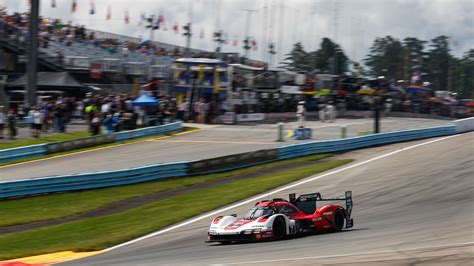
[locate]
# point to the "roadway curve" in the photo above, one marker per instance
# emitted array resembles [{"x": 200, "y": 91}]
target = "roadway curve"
[
  {"x": 210, "y": 141},
  {"x": 415, "y": 206}
]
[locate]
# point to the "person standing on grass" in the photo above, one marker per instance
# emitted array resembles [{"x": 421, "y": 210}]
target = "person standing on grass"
[
  {"x": 11, "y": 121},
  {"x": 2, "y": 122},
  {"x": 36, "y": 121}
]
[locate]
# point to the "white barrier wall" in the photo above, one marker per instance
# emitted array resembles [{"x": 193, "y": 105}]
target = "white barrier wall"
[{"x": 464, "y": 125}]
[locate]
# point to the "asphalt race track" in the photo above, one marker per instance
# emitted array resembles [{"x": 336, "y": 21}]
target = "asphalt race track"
[
  {"x": 415, "y": 206},
  {"x": 211, "y": 141}
]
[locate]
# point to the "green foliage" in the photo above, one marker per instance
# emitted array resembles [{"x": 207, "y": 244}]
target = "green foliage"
[
  {"x": 49, "y": 138},
  {"x": 400, "y": 60},
  {"x": 45, "y": 207},
  {"x": 329, "y": 58}
]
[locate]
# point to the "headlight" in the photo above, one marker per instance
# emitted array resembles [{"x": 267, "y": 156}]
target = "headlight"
[
  {"x": 317, "y": 219},
  {"x": 247, "y": 232},
  {"x": 212, "y": 232},
  {"x": 258, "y": 230}
]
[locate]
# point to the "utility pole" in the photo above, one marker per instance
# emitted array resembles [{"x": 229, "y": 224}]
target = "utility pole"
[
  {"x": 188, "y": 34},
  {"x": 247, "y": 30},
  {"x": 264, "y": 29},
  {"x": 188, "y": 30},
  {"x": 30, "y": 96},
  {"x": 272, "y": 53},
  {"x": 281, "y": 31},
  {"x": 336, "y": 29},
  {"x": 218, "y": 34}
]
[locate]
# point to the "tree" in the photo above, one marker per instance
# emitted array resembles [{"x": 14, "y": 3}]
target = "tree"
[
  {"x": 386, "y": 58},
  {"x": 413, "y": 57},
  {"x": 463, "y": 76},
  {"x": 330, "y": 58},
  {"x": 438, "y": 63},
  {"x": 297, "y": 60}
]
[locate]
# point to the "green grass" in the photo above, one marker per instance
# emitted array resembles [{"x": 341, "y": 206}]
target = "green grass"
[
  {"x": 185, "y": 129},
  {"x": 49, "y": 138},
  {"x": 99, "y": 233},
  {"x": 27, "y": 210}
]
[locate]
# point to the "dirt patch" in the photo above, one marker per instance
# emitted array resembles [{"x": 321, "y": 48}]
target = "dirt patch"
[{"x": 134, "y": 202}]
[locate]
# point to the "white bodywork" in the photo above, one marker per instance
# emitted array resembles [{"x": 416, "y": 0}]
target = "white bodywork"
[{"x": 230, "y": 225}]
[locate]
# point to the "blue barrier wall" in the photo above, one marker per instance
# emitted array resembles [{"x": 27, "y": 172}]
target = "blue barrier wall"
[
  {"x": 315, "y": 147},
  {"x": 154, "y": 172},
  {"x": 22, "y": 152},
  {"x": 14, "y": 154}
]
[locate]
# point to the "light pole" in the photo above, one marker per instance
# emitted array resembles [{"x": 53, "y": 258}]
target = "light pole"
[{"x": 30, "y": 97}]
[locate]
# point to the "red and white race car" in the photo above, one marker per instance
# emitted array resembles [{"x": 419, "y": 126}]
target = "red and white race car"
[{"x": 279, "y": 218}]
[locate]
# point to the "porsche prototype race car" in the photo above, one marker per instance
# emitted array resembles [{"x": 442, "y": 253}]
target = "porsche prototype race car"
[{"x": 278, "y": 218}]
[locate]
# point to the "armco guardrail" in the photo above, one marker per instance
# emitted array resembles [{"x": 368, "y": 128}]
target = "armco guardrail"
[
  {"x": 44, "y": 149},
  {"x": 464, "y": 125},
  {"x": 22, "y": 153},
  {"x": 297, "y": 150},
  {"x": 93, "y": 180},
  {"x": 35, "y": 186}
]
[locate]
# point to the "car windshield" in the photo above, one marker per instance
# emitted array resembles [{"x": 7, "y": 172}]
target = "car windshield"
[{"x": 257, "y": 212}]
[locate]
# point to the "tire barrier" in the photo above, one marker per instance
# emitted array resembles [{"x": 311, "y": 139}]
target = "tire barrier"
[
  {"x": 14, "y": 154},
  {"x": 232, "y": 161},
  {"x": 34, "y": 186},
  {"x": 79, "y": 143}
]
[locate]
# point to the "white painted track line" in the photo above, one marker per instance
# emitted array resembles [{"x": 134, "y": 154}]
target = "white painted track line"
[{"x": 253, "y": 199}]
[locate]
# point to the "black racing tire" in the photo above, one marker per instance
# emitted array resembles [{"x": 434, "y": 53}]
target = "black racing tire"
[
  {"x": 279, "y": 228},
  {"x": 338, "y": 220}
]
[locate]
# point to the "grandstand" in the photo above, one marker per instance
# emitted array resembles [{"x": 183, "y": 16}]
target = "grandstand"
[{"x": 116, "y": 59}]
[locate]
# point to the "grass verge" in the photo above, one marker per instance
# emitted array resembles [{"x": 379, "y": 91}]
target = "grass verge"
[
  {"x": 99, "y": 233},
  {"x": 31, "y": 209},
  {"x": 185, "y": 129},
  {"x": 49, "y": 138}
]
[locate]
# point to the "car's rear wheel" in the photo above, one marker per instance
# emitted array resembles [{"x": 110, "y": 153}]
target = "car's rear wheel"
[
  {"x": 279, "y": 228},
  {"x": 338, "y": 220}
]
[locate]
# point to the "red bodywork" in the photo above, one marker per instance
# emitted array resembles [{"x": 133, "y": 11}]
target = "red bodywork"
[{"x": 321, "y": 219}]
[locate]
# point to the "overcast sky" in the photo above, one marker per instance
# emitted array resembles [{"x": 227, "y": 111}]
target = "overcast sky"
[{"x": 352, "y": 23}]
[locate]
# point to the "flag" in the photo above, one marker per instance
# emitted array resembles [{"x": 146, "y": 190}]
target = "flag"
[
  {"x": 92, "y": 7},
  {"x": 143, "y": 17},
  {"x": 161, "y": 19},
  {"x": 108, "y": 15},
  {"x": 126, "y": 17},
  {"x": 236, "y": 40},
  {"x": 201, "y": 33},
  {"x": 176, "y": 28},
  {"x": 254, "y": 45},
  {"x": 53, "y": 3},
  {"x": 74, "y": 6}
]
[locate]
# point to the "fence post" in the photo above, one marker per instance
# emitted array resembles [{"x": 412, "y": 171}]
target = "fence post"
[
  {"x": 280, "y": 132},
  {"x": 343, "y": 132}
]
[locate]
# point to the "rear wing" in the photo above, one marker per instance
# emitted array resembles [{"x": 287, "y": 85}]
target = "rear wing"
[{"x": 308, "y": 202}]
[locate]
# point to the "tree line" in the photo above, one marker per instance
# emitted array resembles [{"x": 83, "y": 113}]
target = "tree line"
[{"x": 394, "y": 59}]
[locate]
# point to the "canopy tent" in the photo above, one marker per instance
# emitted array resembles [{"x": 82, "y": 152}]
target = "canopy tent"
[
  {"x": 50, "y": 81},
  {"x": 146, "y": 100},
  {"x": 366, "y": 90}
]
